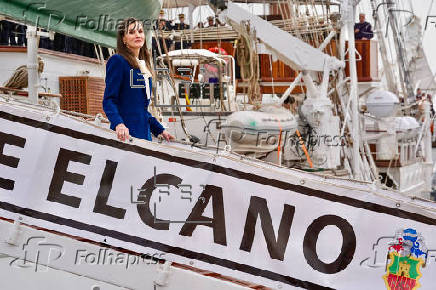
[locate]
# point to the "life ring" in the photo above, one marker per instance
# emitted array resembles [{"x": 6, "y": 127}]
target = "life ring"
[{"x": 218, "y": 50}]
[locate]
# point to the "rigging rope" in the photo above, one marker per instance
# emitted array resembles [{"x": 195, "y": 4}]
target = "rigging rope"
[{"x": 182, "y": 120}]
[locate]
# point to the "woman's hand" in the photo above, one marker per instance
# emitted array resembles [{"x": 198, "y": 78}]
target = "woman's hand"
[
  {"x": 122, "y": 132},
  {"x": 167, "y": 136}
]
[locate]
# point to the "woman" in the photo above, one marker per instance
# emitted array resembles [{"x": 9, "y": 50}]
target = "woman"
[{"x": 128, "y": 86}]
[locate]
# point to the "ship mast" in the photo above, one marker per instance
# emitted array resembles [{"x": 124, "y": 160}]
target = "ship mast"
[
  {"x": 348, "y": 13},
  {"x": 32, "y": 64},
  {"x": 399, "y": 48},
  {"x": 392, "y": 85}
]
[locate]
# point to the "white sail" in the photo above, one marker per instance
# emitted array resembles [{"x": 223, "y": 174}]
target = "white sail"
[{"x": 419, "y": 67}]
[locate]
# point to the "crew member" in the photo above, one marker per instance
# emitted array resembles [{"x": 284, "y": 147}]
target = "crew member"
[{"x": 362, "y": 29}]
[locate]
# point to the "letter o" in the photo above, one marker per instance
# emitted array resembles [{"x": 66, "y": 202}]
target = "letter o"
[
  {"x": 272, "y": 140},
  {"x": 91, "y": 258},
  {"x": 91, "y": 24},
  {"x": 347, "y": 250}
]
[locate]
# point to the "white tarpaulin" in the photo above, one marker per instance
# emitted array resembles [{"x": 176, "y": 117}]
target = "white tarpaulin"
[{"x": 273, "y": 226}]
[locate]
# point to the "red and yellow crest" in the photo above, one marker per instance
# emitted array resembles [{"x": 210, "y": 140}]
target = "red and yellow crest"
[
  {"x": 403, "y": 272},
  {"x": 406, "y": 255}
]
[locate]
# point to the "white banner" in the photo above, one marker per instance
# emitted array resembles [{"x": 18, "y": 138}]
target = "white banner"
[{"x": 255, "y": 222}]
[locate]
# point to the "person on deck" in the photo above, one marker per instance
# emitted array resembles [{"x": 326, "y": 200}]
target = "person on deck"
[
  {"x": 418, "y": 94},
  {"x": 213, "y": 22},
  {"x": 362, "y": 29},
  {"x": 182, "y": 25},
  {"x": 167, "y": 24},
  {"x": 17, "y": 34},
  {"x": 45, "y": 42},
  {"x": 4, "y": 32},
  {"x": 168, "y": 41},
  {"x": 129, "y": 86},
  {"x": 210, "y": 22}
]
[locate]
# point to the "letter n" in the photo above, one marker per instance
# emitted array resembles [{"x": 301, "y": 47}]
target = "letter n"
[{"x": 276, "y": 246}]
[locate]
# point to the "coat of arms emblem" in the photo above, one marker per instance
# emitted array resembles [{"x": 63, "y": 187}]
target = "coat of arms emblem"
[{"x": 407, "y": 253}]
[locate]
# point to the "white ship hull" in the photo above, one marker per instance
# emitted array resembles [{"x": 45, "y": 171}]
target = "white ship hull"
[{"x": 271, "y": 226}]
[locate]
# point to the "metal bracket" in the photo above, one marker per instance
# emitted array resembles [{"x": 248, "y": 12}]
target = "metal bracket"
[{"x": 14, "y": 234}]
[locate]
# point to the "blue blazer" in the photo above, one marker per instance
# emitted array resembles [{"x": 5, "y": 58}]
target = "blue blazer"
[{"x": 128, "y": 104}]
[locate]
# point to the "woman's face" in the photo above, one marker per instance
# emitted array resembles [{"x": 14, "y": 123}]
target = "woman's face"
[{"x": 134, "y": 37}]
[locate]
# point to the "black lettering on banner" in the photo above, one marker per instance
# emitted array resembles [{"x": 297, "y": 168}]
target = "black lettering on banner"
[
  {"x": 10, "y": 161},
  {"x": 347, "y": 250},
  {"x": 276, "y": 247},
  {"x": 145, "y": 195},
  {"x": 218, "y": 223},
  {"x": 107, "y": 179},
  {"x": 60, "y": 175}
]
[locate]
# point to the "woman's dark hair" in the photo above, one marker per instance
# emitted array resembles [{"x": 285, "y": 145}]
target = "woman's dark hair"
[{"x": 123, "y": 50}]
